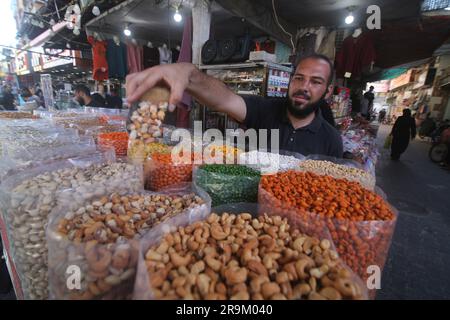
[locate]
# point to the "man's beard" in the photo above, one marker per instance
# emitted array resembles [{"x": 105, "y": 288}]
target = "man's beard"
[
  {"x": 80, "y": 101},
  {"x": 303, "y": 112}
]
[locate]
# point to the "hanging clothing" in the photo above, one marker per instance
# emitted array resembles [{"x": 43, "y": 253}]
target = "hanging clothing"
[
  {"x": 404, "y": 129},
  {"x": 175, "y": 54},
  {"x": 100, "y": 65},
  {"x": 328, "y": 45},
  {"x": 117, "y": 59},
  {"x": 306, "y": 45},
  {"x": 184, "y": 107},
  {"x": 355, "y": 55},
  {"x": 151, "y": 57},
  {"x": 165, "y": 55},
  {"x": 135, "y": 57},
  {"x": 321, "y": 33}
]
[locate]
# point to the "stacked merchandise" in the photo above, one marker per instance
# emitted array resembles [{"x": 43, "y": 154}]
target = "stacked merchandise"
[{"x": 360, "y": 145}]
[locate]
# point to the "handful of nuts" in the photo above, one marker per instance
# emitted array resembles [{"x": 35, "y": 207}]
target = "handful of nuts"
[
  {"x": 147, "y": 121},
  {"x": 102, "y": 239},
  {"x": 237, "y": 257}
]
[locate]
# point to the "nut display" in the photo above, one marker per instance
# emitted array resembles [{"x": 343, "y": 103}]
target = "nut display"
[
  {"x": 161, "y": 172},
  {"x": 117, "y": 140},
  {"x": 339, "y": 171},
  {"x": 102, "y": 239},
  {"x": 147, "y": 121},
  {"x": 228, "y": 183},
  {"x": 27, "y": 203},
  {"x": 139, "y": 150},
  {"x": 267, "y": 162},
  {"x": 237, "y": 257},
  {"x": 221, "y": 154},
  {"x": 360, "y": 222},
  {"x": 16, "y": 115}
]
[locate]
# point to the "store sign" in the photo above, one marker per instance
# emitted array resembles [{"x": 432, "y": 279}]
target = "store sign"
[
  {"x": 36, "y": 61},
  {"x": 22, "y": 63},
  {"x": 401, "y": 80},
  {"x": 57, "y": 58}
]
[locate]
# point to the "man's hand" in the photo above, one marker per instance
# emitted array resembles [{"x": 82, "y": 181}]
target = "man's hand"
[{"x": 175, "y": 76}]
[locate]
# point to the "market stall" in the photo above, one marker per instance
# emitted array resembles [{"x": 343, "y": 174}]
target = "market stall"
[{"x": 70, "y": 196}]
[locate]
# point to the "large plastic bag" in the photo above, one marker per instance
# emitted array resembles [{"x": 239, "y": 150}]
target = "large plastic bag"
[
  {"x": 360, "y": 243},
  {"x": 225, "y": 185},
  {"x": 35, "y": 156},
  {"x": 339, "y": 169},
  {"x": 37, "y": 139},
  {"x": 108, "y": 268},
  {"x": 29, "y": 197},
  {"x": 209, "y": 280}
]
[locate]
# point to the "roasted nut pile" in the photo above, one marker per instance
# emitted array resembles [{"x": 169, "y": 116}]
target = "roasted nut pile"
[
  {"x": 221, "y": 154},
  {"x": 116, "y": 140},
  {"x": 228, "y": 183},
  {"x": 138, "y": 150},
  {"x": 339, "y": 171},
  {"x": 16, "y": 115},
  {"x": 28, "y": 204},
  {"x": 99, "y": 233},
  {"x": 237, "y": 257},
  {"x": 147, "y": 121},
  {"x": 360, "y": 222},
  {"x": 161, "y": 172},
  {"x": 128, "y": 216}
]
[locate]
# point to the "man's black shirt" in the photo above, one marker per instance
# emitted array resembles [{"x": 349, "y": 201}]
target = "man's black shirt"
[{"x": 318, "y": 137}]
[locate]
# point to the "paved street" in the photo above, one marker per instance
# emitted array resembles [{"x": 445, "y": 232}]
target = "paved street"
[{"x": 419, "y": 259}]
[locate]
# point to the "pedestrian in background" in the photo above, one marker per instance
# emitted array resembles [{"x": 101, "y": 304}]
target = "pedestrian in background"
[{"x": 404, "y": 129}]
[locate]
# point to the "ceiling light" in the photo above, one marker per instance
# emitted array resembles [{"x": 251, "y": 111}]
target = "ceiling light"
[
  {"x": 95, "y": 11},
  {"x": 127, "y": 30},
  {"x": 177, "y": 16},
  {"x": 350, "y": 18}
]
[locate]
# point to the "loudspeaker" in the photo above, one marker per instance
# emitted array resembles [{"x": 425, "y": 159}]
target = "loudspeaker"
[{"x": 226, "y": 50}]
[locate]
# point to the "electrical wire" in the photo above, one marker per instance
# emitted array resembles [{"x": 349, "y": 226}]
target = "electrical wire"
[{"x": 282, "y": 28}]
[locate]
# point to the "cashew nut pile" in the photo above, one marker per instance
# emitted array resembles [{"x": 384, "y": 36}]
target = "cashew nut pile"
[
  {"x": 339, "y": 171},
  {"x": 237, "y": 257},
  {"x": 104, "y": 235},
  {"x": 29, "y": 203}
]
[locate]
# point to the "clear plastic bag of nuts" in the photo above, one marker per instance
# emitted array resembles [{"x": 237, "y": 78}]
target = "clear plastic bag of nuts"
[
  {"x": 240, "y": 256},
  {"x": 100, "y": 238},
  {"x": 28, "y": 198},
  {"x": 340, "y": 169},
  {"x": 360, "y": 243}
]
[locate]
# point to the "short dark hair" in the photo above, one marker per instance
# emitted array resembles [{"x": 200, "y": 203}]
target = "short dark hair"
[
  {"x": 82, "y": 88},
  {"x": 318, "y": 56},
  {"x": 371, "y": 87}
]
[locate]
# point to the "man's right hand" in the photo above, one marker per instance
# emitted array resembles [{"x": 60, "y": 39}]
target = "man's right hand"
[
  {"x": 175, "y": 76},
  {"x": 181, "y": 77}
]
